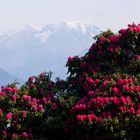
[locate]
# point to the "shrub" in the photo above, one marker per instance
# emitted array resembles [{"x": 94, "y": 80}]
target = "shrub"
[
  {"x": 100, "y": 99},
  {"x": 107, "y": 81}
]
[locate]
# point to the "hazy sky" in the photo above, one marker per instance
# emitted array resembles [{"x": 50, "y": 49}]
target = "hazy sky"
[{"x": 112, "y": 14}]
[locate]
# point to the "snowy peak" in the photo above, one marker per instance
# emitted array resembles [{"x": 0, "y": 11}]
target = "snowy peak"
[
  {"x": 36, "y": 34},
  {"x": 33, "y": 50},
  {"x": 82, "y": 27},
  {"x": 78, "y": 25}
]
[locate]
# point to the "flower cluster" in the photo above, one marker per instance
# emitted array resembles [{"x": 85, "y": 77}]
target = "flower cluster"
[
  {"x": 107, "y": 82},
  {"x": 100, "y": 99},
  {"x": 21, "y": 108}
]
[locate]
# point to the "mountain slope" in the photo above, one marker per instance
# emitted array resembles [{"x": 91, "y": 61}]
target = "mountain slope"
[
  {"x": 31, "y": 51},
  {"x": 6, "y": 78}
]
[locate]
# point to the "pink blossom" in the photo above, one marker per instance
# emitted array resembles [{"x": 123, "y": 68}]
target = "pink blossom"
[
  {"x": 4, "y": 133},
  {"x": 29, "y": 98},
  {"x": 44, "y": 100},
  {"x": 34, "y": 100},
  {"x": 14, "y": 98},
  {"x": 132, "y": 88},
  {"x": 54, "y": 106},
  {"x": 137, "y": 57},
  {"x": 115, "y": 90},
  {"x": 91, "y": 93},
  {"x": 102, "y": 39},
  {"x": 48, "y": 102},
  {"x": 24, "y": 112},
  {"x": 70, "y": 59},
  {"x": 30, "y": 79},
  {"x": 138, "y": 106},
  {"x": 9, "y": 89},
  {"x": 126, "y": 88},
  {"x": 89, "y": 79},
  {"x": 97, "y": 80},
  {"x": 128, "y": 99},
  {"x": 132, "y": 110},
  {"x": 14, "y": 90},
  {"x": 122, "y": 99},
  {"x": 138, "y": 112},
  {"x": 113, "y": 38},
  {"x": 34, "y": 108},
  {"x": 126, "y": 81},
  {"x": 137, "y": 88},
  {"x": 25, "y": 135},
  {"x": 14, "y": 136},
  {"x": 9, "y": 116},
  {"x": 121, "y": 81},
  {"x": 24, "y": 97},
  {"x": 89, "y": 118},
  {"x": 1, "y": 111},
  {"x": 81, "y": 117},
  {"x": 130, "y": 80},
  {"x": 105, "y": 83},
  {"x": 40, "y": 107},
  {"x": 121, "y": 108},
  {"x": 122, "y": 31}
]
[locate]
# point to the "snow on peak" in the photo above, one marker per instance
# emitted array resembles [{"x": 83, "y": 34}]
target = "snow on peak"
[{"x": 78, "y": 25}]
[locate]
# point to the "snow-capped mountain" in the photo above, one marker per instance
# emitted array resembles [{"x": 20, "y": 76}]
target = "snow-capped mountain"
[{"x": 31, "y": 50}]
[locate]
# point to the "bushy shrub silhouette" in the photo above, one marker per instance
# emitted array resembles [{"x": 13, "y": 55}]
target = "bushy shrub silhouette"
[{"x": 100, "y": 99}]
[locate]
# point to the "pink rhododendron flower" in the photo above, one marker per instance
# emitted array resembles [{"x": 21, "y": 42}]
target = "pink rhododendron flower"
[
  {"x": 9, "y": 116},
  {"x": 48, "y": 102},
  {"x": 132, "y": 88},
  {"x": 115, "y": 90},
  {"x": 114, "y": 38},
  {"x": 34, "y": 108},
  {"x": 89, "y": 79},
  {"x": 44, "y": 99},
  {"x": 123, "y": 31},
  {"x": 125, "y": 87},
  {"x": 102, "y": 39},
  {"x": 54, "y": 106},
  {"x": 24, "y": 97},
  {"x": 24, "y": 113},
  {"x": 137, "y": 57},
  {"x": 40, "y": 107},
  {"x": 105, "y": 83},
  {"x": 14, "y": 98},
  {"x": 1, "y": 111},
  {"x": 138, "y": 112},
  {"x": 4, "y": 133},
  {"x": 14, "y": 90},
  {"x": 132, "y": 110},
  {"x": 25, "y": 135},
  {"x": 89, "y": 118},
  {"x": 30, "y": 79},
  {"x": 14, "y": 136},
  {"x": 91, "y": 93}
]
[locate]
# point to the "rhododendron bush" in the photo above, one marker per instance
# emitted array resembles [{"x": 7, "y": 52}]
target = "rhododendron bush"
[
  {"x": 107, "y": 80},
  {"x": 100, "y": 99},
  {"x": 23, "y": 111}
]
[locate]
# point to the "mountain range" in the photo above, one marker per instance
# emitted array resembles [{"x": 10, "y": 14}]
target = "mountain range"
[{"x": 32, "y": 50}]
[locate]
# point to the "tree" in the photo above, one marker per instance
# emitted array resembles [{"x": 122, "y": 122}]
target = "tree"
[{"x": 107, "y": 81}]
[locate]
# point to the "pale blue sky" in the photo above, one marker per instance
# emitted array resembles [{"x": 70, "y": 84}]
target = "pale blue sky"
[{"x": 113, "y": 14}]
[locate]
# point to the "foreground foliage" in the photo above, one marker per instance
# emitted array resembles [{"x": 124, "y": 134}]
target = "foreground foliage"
[{"x": 100, "y": 99}]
